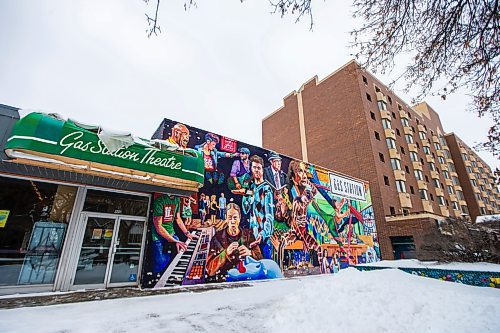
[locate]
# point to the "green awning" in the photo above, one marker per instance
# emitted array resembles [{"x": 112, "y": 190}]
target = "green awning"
[{"x": 44, "y": 139}]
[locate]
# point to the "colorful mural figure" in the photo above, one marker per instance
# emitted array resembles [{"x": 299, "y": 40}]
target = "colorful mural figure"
[
  {"x": 259, "y": 215},
  {"x": 231, "y": 246}
]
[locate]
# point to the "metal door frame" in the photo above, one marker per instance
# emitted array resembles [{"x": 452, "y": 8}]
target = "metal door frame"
[
  {"x": 109, "y": 270},
  {"x": 112, "y": 249}
]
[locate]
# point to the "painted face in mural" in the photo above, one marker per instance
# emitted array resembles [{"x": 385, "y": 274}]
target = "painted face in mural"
[
  {"x": 276, "y": 164},
  {"x": 233, "y": 221},
  {"x": 257, "y": 168},
  {"x": 301, "y": 174},
  {"x": 180, "y": 135}
]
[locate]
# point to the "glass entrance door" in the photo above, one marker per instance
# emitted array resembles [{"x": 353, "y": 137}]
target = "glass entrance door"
[
  {"x": 110, "y": 254},
  {"x": 95, "y": 251},
  {"x": 127, "y": 252}
]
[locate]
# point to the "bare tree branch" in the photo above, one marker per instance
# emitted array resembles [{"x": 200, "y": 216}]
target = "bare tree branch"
[{"x": 153, "y": 26}]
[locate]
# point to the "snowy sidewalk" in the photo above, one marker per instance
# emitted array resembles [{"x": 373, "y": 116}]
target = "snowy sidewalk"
[
  {"x": 350, "y": 301},
  {"x": 56, "y": 298}
]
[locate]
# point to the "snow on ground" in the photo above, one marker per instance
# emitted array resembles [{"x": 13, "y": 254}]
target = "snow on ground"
[
  {"x": 376, "y": 301},
  {"x": 414, "y": 263}
]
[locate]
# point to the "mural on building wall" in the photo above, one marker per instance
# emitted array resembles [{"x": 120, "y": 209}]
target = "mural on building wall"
[{"x": 260, "y": 215}]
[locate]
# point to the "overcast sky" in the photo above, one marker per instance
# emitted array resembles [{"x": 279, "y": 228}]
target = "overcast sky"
[{"x": 222, "y": 66}]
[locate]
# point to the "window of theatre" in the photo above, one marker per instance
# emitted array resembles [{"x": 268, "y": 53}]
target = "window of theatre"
[{"x": 36, "y": 217}]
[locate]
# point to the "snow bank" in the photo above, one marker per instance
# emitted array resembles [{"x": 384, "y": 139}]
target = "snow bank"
[
  {"x": 350, "y": 301},
  {"x": 386, "y": 301}
]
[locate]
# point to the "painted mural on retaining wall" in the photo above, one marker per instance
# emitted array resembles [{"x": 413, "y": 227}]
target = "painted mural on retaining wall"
[
  {"x": 260, "y": 215},
  {"x": 473, "y": 278}
]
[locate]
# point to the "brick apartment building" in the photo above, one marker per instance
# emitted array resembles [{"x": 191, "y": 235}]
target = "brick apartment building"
[
  {"x": 477, "y": 180},
  {"x": 352, "y": 122}
]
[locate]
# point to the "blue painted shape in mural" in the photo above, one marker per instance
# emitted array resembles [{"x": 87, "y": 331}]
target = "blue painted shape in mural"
[{"x": 255, "y": 270}]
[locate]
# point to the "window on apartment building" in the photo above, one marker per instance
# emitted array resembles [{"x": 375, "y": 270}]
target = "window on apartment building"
[
  {"x": 365, "y": 81},
  {"x": 450, "y": 189},
  {"x": 422, "y": 161},
  {"x": 425, "y": 127},
  {"x": 381, "y": 157},
  {"x": 382, "y": 106},
  {"x": 460, "y": 195},
  {"x": 372, "y": 115},
  {"x": 413, "y": 156},
  {"x": 426, "y": 179},
  {"x": 446, "y": 174},
  {"x": 368, "y": 97},
  {"x": 377, "y": 89},
  {"x": 397, "y": 132},
  {"x": 432, "y": 197},
  {"x": 465, "y": 210},
  {"x": 389, "y": 99},
  {"x": 483, "y": 210},
  {"x": 442, "y": 140},
  {"x": 419, "y": 175},
  {"x": 455, "y": 180},
  {"x": 391, "y": 143},
  {"x": 469, "y": 169},
  {"x": 465, "y": 157},
  {"x": 400, "y": 108},
  {"x": 412, "y": 190},
  {"x": 481, "y": 187},
  {"x": 446, "y": 153},
  {"x": 435, "y": 182},
  {"x": 406, "y": 211},
  {"x": 392, "y": 210},
  {"x": 423, "y": 194},
  {"x": 413, "y": 129},
  {"x": 447, "y": 203},
  {"x": 433, "y": 156},
  {"x": 418, "y": 122},
  {"x": 405, "y": 122},
  {"x": 440, "y": 200},
  {"x": 481, "y": 170},
  {"x": 386, "y": 180},
  {"x": 386, "y": 123},
  {"x": 409, "y": 115},
  {"x": 437, "y": 146},
  {"x": 441, "y": 160},
  {"x": 421, "y": 135},
  {"x": 402, "y": 150},
  {"x": 416, "y": 144},
  {"x": 451, "y": 167},
  {"x": 474, "y": 182},
  {"x": 407, "y": 170},
  {"x": 454, "y": 205},
  {"x": 401, "y": 186},
  {"x": 474, "y": 163},
  {"x": 426, "y": 150},
  {"x": 396, "y": 164},
  {"x": 393, "y": 115},
  {"x": 432, "y": 166},
  {"x": 409, "y": 138},
  {"x": 377, "y": 136}
]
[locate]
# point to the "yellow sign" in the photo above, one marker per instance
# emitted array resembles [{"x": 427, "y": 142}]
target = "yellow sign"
[
  {"x": 108, "y": 233},
  {"x": 4, "y": 214}
]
